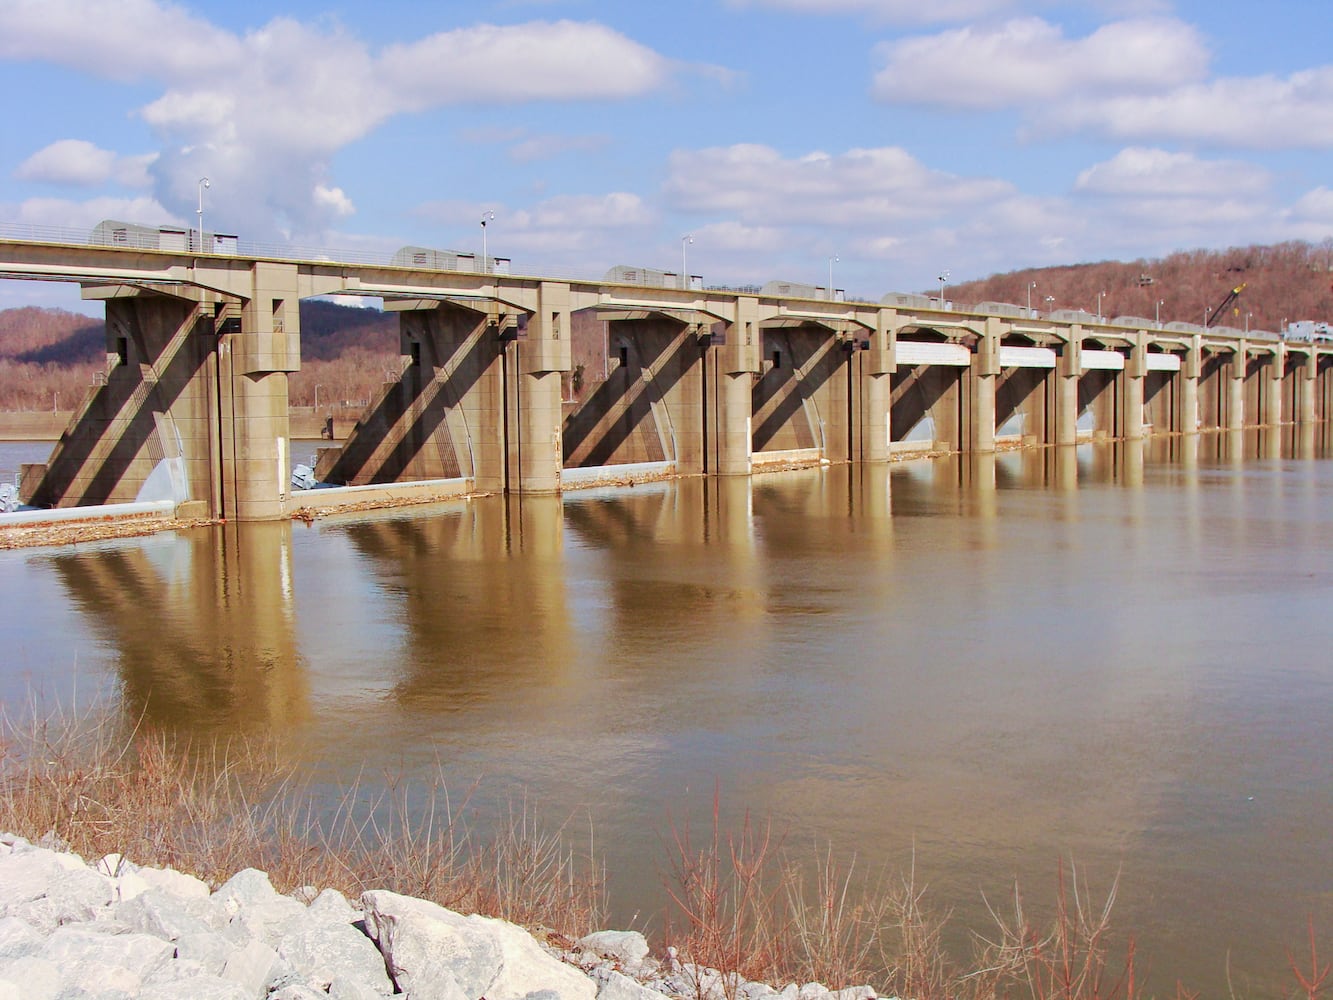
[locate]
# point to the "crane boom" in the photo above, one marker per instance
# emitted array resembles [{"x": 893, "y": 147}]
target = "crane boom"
[{"x": 1231, "y": 297}]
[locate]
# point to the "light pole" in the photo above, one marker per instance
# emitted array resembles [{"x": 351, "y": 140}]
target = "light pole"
[
  {"x": 1050, "y": 303},
  {"x": 685, "y": 241},
  {"x": 944, "y": 276},
  {"x": 831, "y": 261},
  {"x": 1031, "y": 285},
  {"x": 485, "y": 261},
  {"x": 203, "y": 183},
  {"x": 316, "y": 397},
  {"x": 1099, "y": 305},
  {"x": 1247, "y": 321},
  {"x": 1157, "y": 316}
]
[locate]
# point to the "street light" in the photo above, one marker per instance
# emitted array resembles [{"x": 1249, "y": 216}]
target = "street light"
[
  {"x": 944, "y": 276},
  {"x": 1050, "y": 303},
  {"x": 685, "y": 241},
  {"x": 1247, "y": 321},
  {"x": 1158, "y": 314},
  {"x": 1031, "y": 285},
  {"x": 485, "y": 261},
  {"x": 1099, "y": 305},
  {"x": 203, "y": 183},
  {"x": 831, "y": 261},
  {"x": 316, "y": 397}
]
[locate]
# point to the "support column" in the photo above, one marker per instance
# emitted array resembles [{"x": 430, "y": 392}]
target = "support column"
[
  {"x": 737, "y": 364},
  {"x": 877, "y": 367},
  {"x": 1235, "y": 389},
  {"x": 1306, "y": 380},
  {"x": 1273, "y": 396},
  {"x": 980, "y": 383},
  {"x": 1190, "y": 371},
  {"x": 542, "y": 357},
  {"x": 1068, "y": 369},
  {"x": 1131, "y": 407},
  {"x": 255, "y": 362}
]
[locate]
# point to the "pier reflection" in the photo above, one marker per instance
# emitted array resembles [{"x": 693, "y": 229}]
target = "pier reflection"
[{"x": 201, "y": 622}]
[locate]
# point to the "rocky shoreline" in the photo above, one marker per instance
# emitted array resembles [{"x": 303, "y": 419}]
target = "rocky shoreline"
[{"x": 111, "y": 930}]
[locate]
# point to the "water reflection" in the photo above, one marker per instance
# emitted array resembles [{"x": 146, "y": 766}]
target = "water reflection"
[
  {"x": 1109, "y": 650},
  {"x": 201, "y": 624}
]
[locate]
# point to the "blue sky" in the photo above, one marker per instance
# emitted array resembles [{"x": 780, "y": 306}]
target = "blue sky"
[{"x": 903, "y": 137}]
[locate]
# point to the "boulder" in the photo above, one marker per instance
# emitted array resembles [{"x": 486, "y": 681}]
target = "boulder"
[
  {"x": 432, "y": 951},
  {"x": 36, "y": 978},
  {"x": 629, "y": 948},
  {"x": 199, "y": 986},
  {"x": 322, "y": 946},
  {"x": 18, "y": 939},
  {"x": 167, "y": 916},
  {"x": 72, "y": 896},
  {"x": 253, "y": 966},
  {"x": 93, "y": 963},
  {"x": 618, "y": 986},
  {"x": 176, "y": 883}
]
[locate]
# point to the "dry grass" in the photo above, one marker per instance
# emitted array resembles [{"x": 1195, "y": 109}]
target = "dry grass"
[
  {"x": 743, "y": 906},
  {"x": 215, "y": 810}
]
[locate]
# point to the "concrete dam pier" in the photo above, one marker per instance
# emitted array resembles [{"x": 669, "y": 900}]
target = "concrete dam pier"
[{"x": 528, "y": 384}]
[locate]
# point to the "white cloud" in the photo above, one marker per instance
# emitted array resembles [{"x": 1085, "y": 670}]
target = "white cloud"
[
  {"x": 263, "y": 114},
  {"x": 63, "y": 213},
  {"x": 1141, "y": 78},
  {"x": 548, "y": 147},
  {"x": 1029, "y": 61},
  {"x": 333, "y": 199},
  {"x": 562, "y": 60},
  {"x": 897, "y": 11},
  {"x": 126, "y": 40},
  {"x": 1255, "y": 112},
  {"x": 79, "y": 162},
  {"x": 759, "y": 186},
  {"x": 1142, "y": 172},
  {"x": 68, "y": 161}
]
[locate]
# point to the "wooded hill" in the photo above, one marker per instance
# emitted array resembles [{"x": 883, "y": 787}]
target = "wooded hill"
[
  {"x": 1283, "y": 283},
  {"x": 48, "y": 357}
]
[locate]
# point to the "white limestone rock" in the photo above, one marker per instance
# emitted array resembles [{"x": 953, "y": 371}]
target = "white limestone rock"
[
  {"x": 199, "y": 986},
  {"x": 254, "y": 966},
  {"x": 93, "y": 963},
  {"x": 323, "y": 946},
  {"x": 250, "y": 887},
  {"x": 27, "y": 875},
  {"x": 75, "y": 895},
  {"x": 176, "y": 883},
  {"x": 167, "y": 916},
  {"x": 18, "y": 939},
  {"x": 209, "y": 949},
  {"x": 629, "y": 948},
  {"x": 432, "y": 951},
  {"x": 37, "y": 978},
  {"x": 618, "y": 986}
]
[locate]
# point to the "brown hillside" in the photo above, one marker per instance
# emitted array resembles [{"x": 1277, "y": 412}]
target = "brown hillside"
[
  {"x": 1283, "y": 283},
  {"x": 48, "y": 356}
]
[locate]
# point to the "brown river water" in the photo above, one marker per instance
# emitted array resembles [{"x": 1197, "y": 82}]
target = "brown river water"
[{"x": 1120, "y": 655}]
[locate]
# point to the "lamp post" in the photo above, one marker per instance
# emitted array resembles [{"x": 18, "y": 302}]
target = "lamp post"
[
  {"x": 943, "y": 276},
  {"x": 1157, "y": 315},
  {"x": 485, "y": 261},
  {"x": 1050, "y": 303},
  {"x": 316, "y": 397},
  {"x": 1031, "y": 285},
  {"x": 831, "y": 261},
  {"x": 1099, "y": 305},
  {"x": 1247, "y": 321},
  {"x": 203, "y": 183},
  {"x": 685, "y": 241}
]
